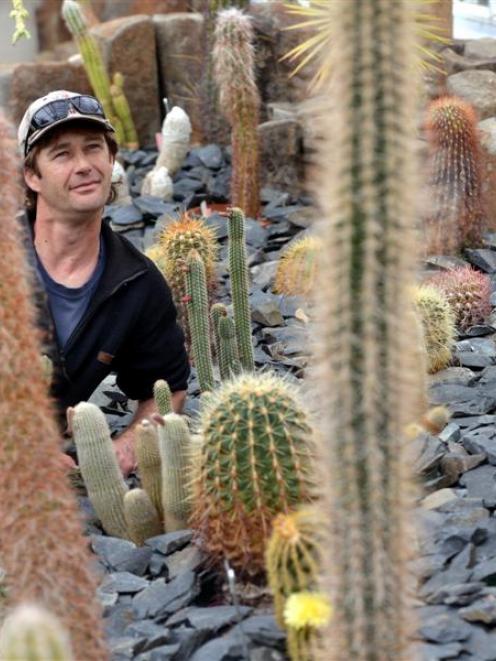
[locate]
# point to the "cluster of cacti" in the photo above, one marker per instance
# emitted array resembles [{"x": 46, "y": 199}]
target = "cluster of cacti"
[
  {"x": 297, "y": 267},
  {"x": 111, "y": 96},
  {"x": 438, "y": 326},
  {"x": 369, "y": 380},
  {"x": 42, "y": 547},
  {"x": 239, "y": 99},
  {"x": 255, "y": 462},
  {"x": 174, "y": 245},
  {"x": 32, "y": 633},
  {"x": 456, "y": 216},
  {"x": 468, "y": 292}
]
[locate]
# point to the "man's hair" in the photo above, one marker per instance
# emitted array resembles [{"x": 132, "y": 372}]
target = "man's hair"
[{"x": 30, "y": 162}]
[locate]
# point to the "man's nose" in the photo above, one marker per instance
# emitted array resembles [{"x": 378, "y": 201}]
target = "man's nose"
[{"x": 82, "y": 162}]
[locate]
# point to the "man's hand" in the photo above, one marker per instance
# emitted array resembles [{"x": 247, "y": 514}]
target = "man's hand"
[
  {"x": 66, "y": 462},
  {"x": 124, "y": 451}
]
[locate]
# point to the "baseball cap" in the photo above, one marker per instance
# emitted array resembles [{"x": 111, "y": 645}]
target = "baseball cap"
[{"x": 54, "y": 109}]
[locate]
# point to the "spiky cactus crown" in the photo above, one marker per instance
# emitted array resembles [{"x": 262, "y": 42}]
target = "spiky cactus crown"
[
  {"x": 39, "y": 516},
  {"x": 438, "y": 324},
  {"x": 255, "y": 463},
  {"x": 297, "y": 268},
  {"x": 457, "y": 218},
  {"x": 468, "y": 292}
]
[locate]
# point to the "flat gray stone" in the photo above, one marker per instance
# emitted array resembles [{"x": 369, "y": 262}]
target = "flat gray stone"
[
  {"x": 476, "y": 87},
  {"x": 161, "y": 599},
  {"x": 124, "y": 583},
  {"x": 263, "y": 274},
  {"x": 485, "y": 571},
  {"x": 450, "y": 433},
  {"x": 483, "y": 258},
  {"x": 265, "y": 309},
  {"x": 480, "y": 49},
  {"x": 483, "y": 441},
  {"x": 480, "y": 482},
  {"x": 221, "y": 649},
  {"x": 445, "y": 628},
  {"x": 188, "y": 558},
  {"x": 457, "y": 595},
  {"x": 170, "y": 541},
  {"x": 262, "y": 630},
  {"x": 483, "y": 610},
  {"x": 212, "y": 618},
  {"x": 121, "y": 555}
]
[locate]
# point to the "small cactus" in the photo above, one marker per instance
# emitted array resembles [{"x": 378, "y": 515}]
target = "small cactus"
[
  {"x": 98, "y": 463},
  {"x": 255, "y": 463},
  {"x": 162, "y": 396},
  {"x": 149, "y": 464},
  {"x": 32, "y": 633},
  {"x": 438, "y": 325},
  {"x": 122, "y": 110},
  {"x": 141, "y": 517},
  {"x": 176, "y": 133},
  {"x": 305, "y": 613},
  {"x": 229, "y": 364},
  {"x": 468, "y": 292},
  {"x": 176, "y": 452},
  {"x": 297, "y": 268},
  {"x": 457, "y": 219}
]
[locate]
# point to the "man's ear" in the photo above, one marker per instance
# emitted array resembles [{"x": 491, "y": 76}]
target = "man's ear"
[{"x": 32, "y": 180}]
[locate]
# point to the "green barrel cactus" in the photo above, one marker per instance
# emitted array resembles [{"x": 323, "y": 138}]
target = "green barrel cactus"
[
  {"x": 438, "y": 326},
  {"x": 197, "y": 305},
  {"x": 162, "y": 396},
  {"x": 240, "y": 287},
  {"x": 99, "y": 468},
  {"x": 141, "y": 517},
  {"x": 175, "y": 447},
  {"x": 255, "y": 463},
  {"x": 31, "y": 633},
  {"x": 149, "y": 463}
]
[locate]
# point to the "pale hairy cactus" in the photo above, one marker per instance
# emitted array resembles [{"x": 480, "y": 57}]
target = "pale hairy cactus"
[
  {"x": 162, "y": 396},
  {"x": 369, "y": 379},
  {"x": 42, "y": 548},
  {"x": 99, "y": 468},
  {"x": 158, "y": 183},
  {"x": 438, "y": 325},
  {"x": 119, "y": 179},
  {"x": 141, "y": 517},
  {"x": 297, "y": 267},
  {"x": 32, "y": 633},
  {"x": 176, "y": 134},
  {"x": 149, "y": 464}
]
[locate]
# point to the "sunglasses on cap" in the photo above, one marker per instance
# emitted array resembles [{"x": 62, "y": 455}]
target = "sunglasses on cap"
[{"x": 54, "y": 111}]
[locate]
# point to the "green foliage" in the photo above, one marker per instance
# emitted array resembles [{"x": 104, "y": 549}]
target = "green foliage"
[{"x": 438, "y": 324}]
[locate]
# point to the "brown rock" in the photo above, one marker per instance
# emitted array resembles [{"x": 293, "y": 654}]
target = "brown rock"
[
  {"x": 280, "y": 149},
  {"x": 128, "y": 46},
  {"x": 453, "y": 62},
  {"x": 487, "y": 130},
  {"x": 476, "y": 87},
  {"x": 179, "y": 46}
]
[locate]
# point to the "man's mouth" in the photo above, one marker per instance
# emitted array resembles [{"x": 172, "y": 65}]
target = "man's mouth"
[{"x": 86, "y": 185}]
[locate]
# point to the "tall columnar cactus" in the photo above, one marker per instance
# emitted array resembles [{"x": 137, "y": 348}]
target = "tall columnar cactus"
[
  {"x": 198, "y": 319},
  {"x": 141, "y": 517},
  {"x": 438, "y": 326},
  {"x": 297, "y": 267},
  {"x": 162, "y": 396},
  {"x": 217, "y": 311},
  {"x": 255, "y": 463},
  {"x": 469, "y": 294},
  {"x": 123, "y": 111},
  {"x": 31, "y": 632},
  {"x": 149, "y": 463},
  {"x": 229, "y": 364},
  {"x": 42, "y": 548},
  {"x": 369, "y": 382},
  {"x": 99, "y": 468},
  {"x": 173, "y": 247},
  {"x": 234, "y": 72},
  {"x": 240, "y": 287},
  {"x": 457, "y": 218},
  {"x": 292, "y": 557},
  {"x": 176, "y": 452}
]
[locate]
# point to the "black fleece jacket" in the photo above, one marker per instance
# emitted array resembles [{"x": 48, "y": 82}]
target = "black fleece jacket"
[{"x": 128, "y": 328}]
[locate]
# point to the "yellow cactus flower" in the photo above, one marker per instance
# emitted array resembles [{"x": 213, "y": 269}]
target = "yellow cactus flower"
[{"x": 307, "y": 609}]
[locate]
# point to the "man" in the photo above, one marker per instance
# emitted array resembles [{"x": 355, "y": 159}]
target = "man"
[{"x": 106, "y": 306}]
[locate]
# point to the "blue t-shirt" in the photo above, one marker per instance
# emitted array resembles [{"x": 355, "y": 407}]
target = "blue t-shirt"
[{"x": 68, "y": 304}]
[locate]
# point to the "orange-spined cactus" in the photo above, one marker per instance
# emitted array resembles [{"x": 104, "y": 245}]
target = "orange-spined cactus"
[
  {"x": 468, "y": 292},
  {"x": 234, "y": 72},
  {"x": 42, "y": 548},
  {"x": 456, "y": 218}
]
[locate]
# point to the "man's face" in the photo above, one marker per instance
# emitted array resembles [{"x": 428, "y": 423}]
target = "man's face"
[{"x": 74, "y": 172}]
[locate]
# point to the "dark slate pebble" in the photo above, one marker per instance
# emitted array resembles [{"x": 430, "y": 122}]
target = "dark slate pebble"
[
  {"x": 124, "y": 583},
  {"x": 458, "y": 594},
  {"x": 262, "y": 630},
  {"x": 222, "y": 649},
  {"x": 437, "y": 652},
  {"x": 210, "y": 156},
  {"x": 211, "y": 619},
  {"x": 189, "y": 640},
  {"x": 121, "y": 555},
  {"x": 265, "y": 308},
  {"x": 161, "y": 599},
  {"x": 476, "y": 442},
  {"x": 151, "y": 206},
  {"x": 483, "y": 610},
  {"x": 483, "y": 258},
  {"x": 256, "y": 235},
  {"x": 219, "y": 224},
  {"x": 162, "y": 653},
  {"x": 170, "y": 541},
  {"x": 479, "y": 330},
  {"x": 485, "y": 571},
  {"x": 480, "y": 482},
  {"x": 188, "y": 558},
  {"x": 445, "y": 628},
  {"x": 123, "y": 216},
  {"x": 219, "y": 187}
]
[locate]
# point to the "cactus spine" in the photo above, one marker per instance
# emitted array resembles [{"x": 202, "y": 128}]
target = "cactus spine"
[
  {"x": 175, "y": 451},
  {"x": 39, "y": 516},
  {"x": 31, "y": 632},
  {"x": 141, "y": 516},
  {"x": 234, "y": 72},
  {"x": 254, "y": 464},
  {"x": 438, "y": 326},
  {"x": 197, "y": 303},
  {"x": 238, "y": 267},
  {"x": 98, "y": 463},
  {"x": 149, "y": 464},
  {"x": 369, "y": 381},
  {"x": 229, "y": 364},
  {"x": 457, "y": 220},
  {"x": 162, "y": 396}
]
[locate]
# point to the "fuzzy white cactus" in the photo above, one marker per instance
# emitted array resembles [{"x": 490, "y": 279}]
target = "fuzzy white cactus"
[
  {"x": 119, "y": 179},
  {"x": 158, "y": 183},
  {"x": 176, "y": 134}
]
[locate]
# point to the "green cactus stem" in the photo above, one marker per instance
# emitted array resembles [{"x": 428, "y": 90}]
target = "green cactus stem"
[
  {"x": 176, "y": 452},
  {"x": 99, "y": 468},
  {"x": 19, "y": 13},
  {"x": 162, "y": 396},
  {"x": 255, "y": 463},
  {"x": 229, "y": 364},
  {"x": 123, "y": 111},
  {"x": 32, "y": 633},
  {"x": 238, "y": 267},
  {"x": 197, "y": 305},
  {"x": 149, "y": 463},
  {"x": 216, "y": 312},
  {"x": 141, "y": 517}
]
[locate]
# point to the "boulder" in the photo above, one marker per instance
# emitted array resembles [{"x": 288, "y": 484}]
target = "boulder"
[
  {"x": 453, "y": 62},
  {"x": 476, "y": 87},
  {"x": 281, "y": 148},
  {"x": 481, "y": 49},
  {"x": 140, "y": 71},
  {"x": 179, "y": 46},
  {"x": 487, "y": 129}
]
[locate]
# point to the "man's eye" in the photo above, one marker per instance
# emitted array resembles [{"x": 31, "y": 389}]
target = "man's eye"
[
  {"x": 61, "y": 153},
  {"x": 95, "y": 145}
]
